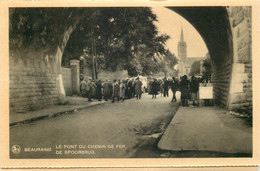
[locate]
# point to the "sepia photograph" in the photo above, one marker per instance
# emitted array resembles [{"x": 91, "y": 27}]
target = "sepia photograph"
[{"x": 129, "y": 83}]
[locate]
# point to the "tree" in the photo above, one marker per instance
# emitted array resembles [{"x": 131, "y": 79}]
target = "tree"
[
  {"x": 195, "y": 68},
  {"x": 35, "y": 28},
  {"x": 168, "y": 63},
  {"x": 118, "y": 38},
  {"x": 125, "y": 37}
]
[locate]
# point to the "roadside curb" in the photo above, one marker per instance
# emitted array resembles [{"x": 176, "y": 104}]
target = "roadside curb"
[
  {"x": 169, "y": 124},
  {"x": 52, "y": 115}
]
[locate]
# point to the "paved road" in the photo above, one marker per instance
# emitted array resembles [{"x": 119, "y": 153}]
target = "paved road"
[{"x": 126, "y": 129}]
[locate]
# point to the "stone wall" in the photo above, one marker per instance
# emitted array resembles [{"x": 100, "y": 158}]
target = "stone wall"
[
  {"x": 32, "y": 85},
  {"x": 35, "y": 73},
  {"x": 241, "y": 82},
  {"x": 35, "y": 80},
  {"x": 247, "y": 85},
  {"x": 232, "y": 77},
  {"x": 66, "y": 77},
  {"x": 221, "y": 80}
]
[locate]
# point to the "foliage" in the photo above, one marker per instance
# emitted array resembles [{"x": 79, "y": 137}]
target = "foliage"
[
  {"x": 245, "y": 112},
  {"x": 120, "y": 38},
  {"x": 168, "y": 63},
  {"x": 126, "y": 38},
  {"x": 206, "y": 72},
  {"x": 195, "y": 68},
  {"x": 39, "y": 27},
  {"x": 246, "y": 109}
]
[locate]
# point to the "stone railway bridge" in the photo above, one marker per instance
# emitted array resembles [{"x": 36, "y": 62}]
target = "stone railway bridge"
[{"x": 35, "y": 73}]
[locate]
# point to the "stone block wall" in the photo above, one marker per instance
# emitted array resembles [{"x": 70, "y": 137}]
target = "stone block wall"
[
  {"x": 241, "y": 83},
  {"x": 32, "y": 85},
  {"x": 221, "y": 81},
  {"x": 35, "y": 62},
  {"x": 66, "y": 77},
  {"x": 247, "y": 86},
  {"x": 74, "y": 64}
]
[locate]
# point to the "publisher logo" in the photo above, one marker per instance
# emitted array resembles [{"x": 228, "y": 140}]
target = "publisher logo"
[{"x": 16, "y": 149}]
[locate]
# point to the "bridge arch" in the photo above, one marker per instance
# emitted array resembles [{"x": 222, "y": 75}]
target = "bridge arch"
[
  {"x": 214, "y": 27},
  {"x": 225, "y": 30}
]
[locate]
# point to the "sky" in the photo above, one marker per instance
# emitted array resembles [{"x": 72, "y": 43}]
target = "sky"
[{"x": 171, "y": 23}]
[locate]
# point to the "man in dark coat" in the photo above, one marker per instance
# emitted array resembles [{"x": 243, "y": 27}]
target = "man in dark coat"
[
  {"x": 99, "y": 90},
  {"x": 194, "y": 88},
  {"x": 81, "y": 78},
  {"x": 106, "y": 90},
  {"x": 110, "y": 85},
  {"x": 174, "y": 84},
  {"x": 138, "y": 88},
  {"x": 126, "y": 89},
  {"x": 116, "y": 90},
  {"x": 185, "y": 90}
]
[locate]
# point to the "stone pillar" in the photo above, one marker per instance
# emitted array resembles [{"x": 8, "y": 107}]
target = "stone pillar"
[
  {"x": 236, "y": 92},
  {"x": 74, "y": 64},
  {"x": 240, "y": 92},
  {"x": 61, "y": 91}
]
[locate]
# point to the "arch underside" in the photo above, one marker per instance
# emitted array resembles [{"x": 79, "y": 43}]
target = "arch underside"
[
  {"x": 214, "y": 27},
  {"x": 213, "y": 24}
]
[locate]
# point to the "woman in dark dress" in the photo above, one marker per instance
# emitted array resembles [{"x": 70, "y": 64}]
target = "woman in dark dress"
[
  {"x": 99, "y": 90},
  {"x": 185, "y": 92},
  {"x": 155, "y": 87}
]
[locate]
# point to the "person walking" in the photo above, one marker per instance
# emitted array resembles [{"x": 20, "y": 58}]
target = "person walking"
[
  {"x": 99, "y": 90},
  {"x": 194, "y": 88},
  {"x": 126, "y": 89},
  {"x": 81, "y": 78},
  {"x": 138, "y": 88},
  {"x": 106, "y": 90},
  {"x": 185, "y": 92},
  {"x": 89, "y": 89},
  {"x": 110, "y": 84},
  {"x": 122, "y": 90},
  {"x": 129, "y": 89},
  {"x": 155, "y": 87},
  {"x": 83, "y": 87},
  {"x": 174, "y": 87},
  {"x": 116, "y": 90},
  {"x": 165, "y": 87}
]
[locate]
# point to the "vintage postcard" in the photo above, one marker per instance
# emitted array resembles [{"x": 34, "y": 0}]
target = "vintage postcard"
[{"x": 129, "y": 84}]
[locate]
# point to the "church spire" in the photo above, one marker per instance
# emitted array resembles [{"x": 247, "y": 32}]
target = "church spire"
[
  {"x": 182, "y": 37},
  {"x": 182, "y": 51}
]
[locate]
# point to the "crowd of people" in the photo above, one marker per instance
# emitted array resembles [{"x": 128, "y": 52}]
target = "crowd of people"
[
  {"x": 116, "y": 90},
  {"x": 132, "y": 88},
  {"x": 188, "y": 88}
]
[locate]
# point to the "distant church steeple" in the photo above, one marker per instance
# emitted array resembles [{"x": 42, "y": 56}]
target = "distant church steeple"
[
  {"x": 182, "y": 48},
  {"x": 182, "y": 37}
]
